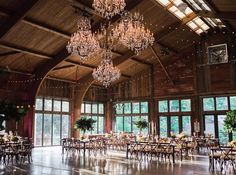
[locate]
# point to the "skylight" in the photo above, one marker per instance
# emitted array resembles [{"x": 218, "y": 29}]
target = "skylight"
[
  {"x": 199, "y": 5},
  {"x": 198, "y": 25},
  {"x": 182, "y": 11}
]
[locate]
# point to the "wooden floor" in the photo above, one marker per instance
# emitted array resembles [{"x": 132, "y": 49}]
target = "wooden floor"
[{"x": 49, "y": 161}]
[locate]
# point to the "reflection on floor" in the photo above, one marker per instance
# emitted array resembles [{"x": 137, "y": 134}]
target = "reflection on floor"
[{"x": 49, "y": 161}]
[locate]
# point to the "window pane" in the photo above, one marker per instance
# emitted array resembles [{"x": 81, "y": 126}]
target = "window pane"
[
  {"x": 174, "y": 124},
  {"x": 209, "y": 125},
  {"x": 65, "y": 120},
  {"x": 56, "y": 105},
  {"x": 221, "y": 103},
  {"x": 208, "y": 104},
  {"x": 233, "y": 103},
  {"x": 234, "y": 135},
  {"x": 186, "y": 123},
  {"x": 186, "y": 105},
  {"x": 65, "y": 106},
  {"x": 174, "y": 105},
  {"x": 135, "y": 107},
  {"x": 95, "y": 125},
  {"x": 101, "y": 125},
  {"x": 145, "y": 131},
  {"x": 127, "y": 108},
  {"x": 82, "y": 108},
  {"x": 94, "y": 108},
  {"x": 144, "y": 107},
  {"x": 135, "y": 129},
  {"x": 223, "y": 135},
  {"x": 87, "y": 108},
  {"x": 119, "y": 108},
  {"x": 101, "y": 108},
  {"x": 47, "y": 130},
  {"x": 38, "y": 129},
  {"x": 39, "y": 104},
  {"x": 56, "y": 129},
  {"x": 127, "y": 124},
  {"x": 163, "y": 106},
  {"x": 48, "y": 104},
  {"x": 119, "y": 124},
  {"x": 163, "y": 126}
]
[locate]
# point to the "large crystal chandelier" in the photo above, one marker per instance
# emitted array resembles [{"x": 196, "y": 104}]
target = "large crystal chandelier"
[
  {"x": 109, "y": 8},
  {"x": 83, "y": 42},
  {"x": 133, "y": 34},
  {"x": 106, "y": 73}
]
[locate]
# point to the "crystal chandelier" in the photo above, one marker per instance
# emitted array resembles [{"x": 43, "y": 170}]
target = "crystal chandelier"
[
  {"x": 109, "y": 8},
  {"x": 133, "y": 34},
  {"x": 83, "y": 42},
  {"x": 106, "y": 73}
]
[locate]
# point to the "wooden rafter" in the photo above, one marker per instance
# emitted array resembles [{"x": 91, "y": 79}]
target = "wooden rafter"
[
  {"x": 163, "y": 67},
  {"x": 141, "y": 61},
  {"x": 62, "y": 67},
  {"x": 15, "y": 71},
  {"x": 8, "y": 53},
  {"x": 23, "y": 50},
  {"x": 17, "y": 17},
  {"x": 222, "y": 15}
]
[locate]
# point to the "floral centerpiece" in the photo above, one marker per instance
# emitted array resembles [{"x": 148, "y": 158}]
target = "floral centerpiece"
[
  {"x": 181, "y": 135},
  {"x": 232, "y": 143}
]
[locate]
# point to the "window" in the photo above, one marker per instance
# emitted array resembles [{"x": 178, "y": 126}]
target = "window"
[
  {"x": 174, "y": 105},
  {"x": 186, "y": 105},
  {"x": 174, "y": 117},
  {"x": 221, "y": 103},
  {"x": 126, "y": 115},
  {"x": 186, "y": 124},
  {"x": 214, "y": 113},
  {"x": 163, "y": 106},
  {"x": 208, "y": 104},
  {"x": 163, "y": 126},
  {"x": 96, "y": 112},
  {"x": 52, "y": 121}
]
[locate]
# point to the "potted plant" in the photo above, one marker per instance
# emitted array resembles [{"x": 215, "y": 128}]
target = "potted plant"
[
  {"x": 84, "y": 124},
  {"x": 141, "y": 124},
  {"x": 230, "y": 121}
]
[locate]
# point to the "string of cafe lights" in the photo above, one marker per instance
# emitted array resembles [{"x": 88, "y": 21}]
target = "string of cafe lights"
[{"x": 31, "y": 80}]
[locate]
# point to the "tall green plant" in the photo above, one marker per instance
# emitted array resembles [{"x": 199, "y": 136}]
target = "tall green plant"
[
  {"x": 230, "y": 121},
  {"x": 141, "y": 124},
  {"x": 9, "y": 111},
  {"x": 84, "y": 124}
]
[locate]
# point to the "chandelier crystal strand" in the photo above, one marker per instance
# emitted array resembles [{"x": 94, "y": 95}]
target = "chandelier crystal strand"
[
  {"x": 133, "y": 34},
  {"x": 83, "y": 42},
  {"x": 109, "y": 8},
  {"x": 106, "y": 73}
]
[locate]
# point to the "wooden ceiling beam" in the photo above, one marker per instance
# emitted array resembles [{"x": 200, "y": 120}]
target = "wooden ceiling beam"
[
  {"x": 62, "y": 67},
  {"x": 6, "y": 69},
  {"x": 45, "y": 27},
  {"x": 8, "y": 53},
  {"x": 141, "y": 61},
  {"x": 24, "y": 50},
  {"x": 19, "y": 14},
  {"x": 163, "y": 67},
  {"x": 60, "y": 79}
]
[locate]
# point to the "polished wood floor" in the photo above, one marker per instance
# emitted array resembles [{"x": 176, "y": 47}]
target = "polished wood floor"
[{"x": 50, "y": 161}]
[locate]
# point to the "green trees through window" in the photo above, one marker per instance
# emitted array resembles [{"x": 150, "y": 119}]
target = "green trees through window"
[{"x": 129, "y": 112}]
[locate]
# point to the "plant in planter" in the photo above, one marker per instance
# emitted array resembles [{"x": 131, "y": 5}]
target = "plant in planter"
[
  {"x": 230, "y": 121},
  {"x": 141, "y": 124},
  {"x": 84, "y": 124}
]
